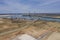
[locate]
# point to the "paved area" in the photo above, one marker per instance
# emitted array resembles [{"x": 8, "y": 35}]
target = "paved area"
[{"x": 54, "y": 36}]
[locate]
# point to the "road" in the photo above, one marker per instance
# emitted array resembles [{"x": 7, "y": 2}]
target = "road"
[
  {"x": 44, "y": 35},
  {"x": 18, "y": 29}
]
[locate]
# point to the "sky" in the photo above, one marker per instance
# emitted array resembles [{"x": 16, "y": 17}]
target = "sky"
[{"x": 29, "y": 6}]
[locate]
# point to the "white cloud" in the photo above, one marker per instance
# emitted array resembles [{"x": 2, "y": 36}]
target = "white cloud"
[
  {"x": 48, "y": 2},
  {"x": 16, "y": 7}
]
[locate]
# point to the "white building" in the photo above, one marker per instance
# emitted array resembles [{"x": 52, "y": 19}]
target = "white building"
[{"x": 24, "y": 37}]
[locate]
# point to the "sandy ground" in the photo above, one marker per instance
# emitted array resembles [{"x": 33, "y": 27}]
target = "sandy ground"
[
  {"x": 35, "y": 29},
  {"x": 54, "y": 36}
]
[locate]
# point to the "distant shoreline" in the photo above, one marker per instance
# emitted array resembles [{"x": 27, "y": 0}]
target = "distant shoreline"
[{"x": 32, "y": 14}]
